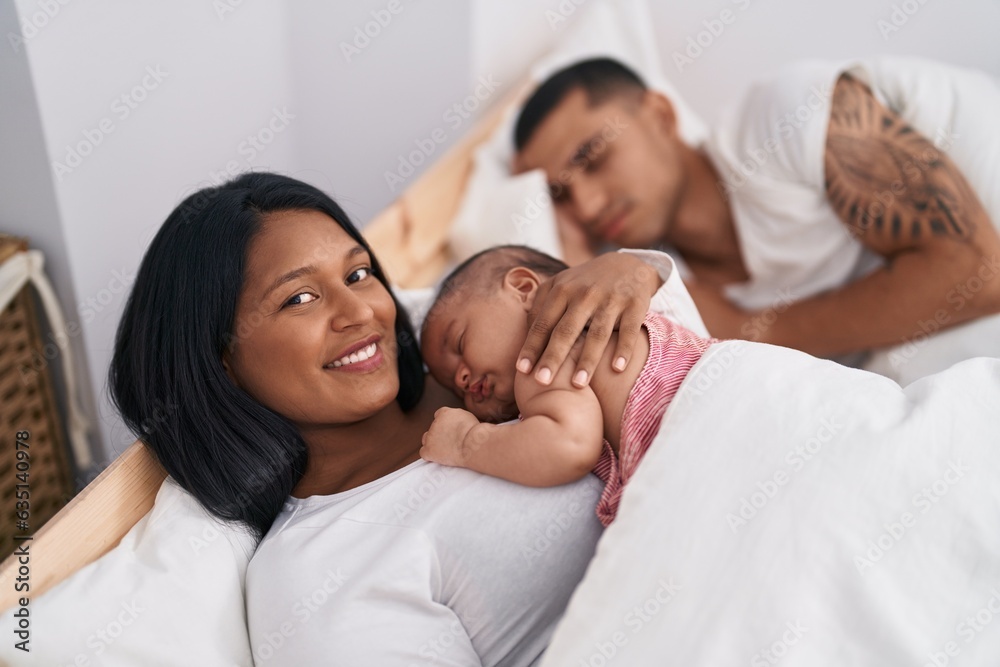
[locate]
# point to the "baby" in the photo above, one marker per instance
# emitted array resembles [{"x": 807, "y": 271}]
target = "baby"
[{"x": 470, "y": 341}]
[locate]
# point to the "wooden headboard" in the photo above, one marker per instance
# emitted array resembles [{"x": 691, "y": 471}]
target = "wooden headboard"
[
  {"x": 410, "y": 237},
  {"x": 410, "y": 240}
]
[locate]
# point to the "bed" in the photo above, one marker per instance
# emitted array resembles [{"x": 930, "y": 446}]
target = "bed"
[{"x": 680, "y": 602}]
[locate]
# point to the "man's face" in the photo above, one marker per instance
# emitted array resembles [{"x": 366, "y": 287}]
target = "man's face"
[{"x": 614, "y": 168}]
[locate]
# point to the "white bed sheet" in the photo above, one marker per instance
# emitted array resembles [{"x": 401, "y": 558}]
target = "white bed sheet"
[{"x": 793, "y": 511}]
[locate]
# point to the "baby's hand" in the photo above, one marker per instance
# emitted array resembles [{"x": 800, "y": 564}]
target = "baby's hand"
[{"x": 442, "y": 443}]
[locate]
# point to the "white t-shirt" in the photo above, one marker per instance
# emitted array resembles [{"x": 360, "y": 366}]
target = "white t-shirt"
[
  {"x": 769, "y": 153},
  {"x": 429, "y": 565}
]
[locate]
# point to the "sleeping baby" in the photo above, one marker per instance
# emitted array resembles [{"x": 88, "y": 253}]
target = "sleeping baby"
[{"x": 470, "y": 341}]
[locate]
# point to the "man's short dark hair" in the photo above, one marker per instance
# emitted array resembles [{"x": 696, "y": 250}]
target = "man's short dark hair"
[{"x": 599, "y": 78}]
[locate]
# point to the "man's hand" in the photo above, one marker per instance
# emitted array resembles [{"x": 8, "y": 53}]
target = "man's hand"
[
  {"x": 443, "y": 441},
  {"x": 609, "y": 292}
]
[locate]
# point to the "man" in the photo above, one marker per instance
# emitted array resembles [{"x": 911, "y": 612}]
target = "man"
[{"x": 821, "y": 216}]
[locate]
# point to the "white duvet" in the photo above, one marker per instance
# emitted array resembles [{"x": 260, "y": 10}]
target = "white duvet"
[{"x": 796, "y": 512}]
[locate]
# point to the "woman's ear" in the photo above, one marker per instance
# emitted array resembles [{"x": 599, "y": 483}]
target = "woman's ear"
[
  {"x": 523, "y": 284},
  {"x": 226, "y": 366}
]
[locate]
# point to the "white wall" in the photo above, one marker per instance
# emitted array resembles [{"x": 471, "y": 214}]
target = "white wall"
[
  {"x": 209, "y": 75},
  {"x": 766, "y": 35},
  {"x": 760, "y": 36},
  {"x": 228, "y": 64},
  {"x": 217, "y": 81},
  {"x": 28, "y": 204},
  {"x": 360, "y": 109}
]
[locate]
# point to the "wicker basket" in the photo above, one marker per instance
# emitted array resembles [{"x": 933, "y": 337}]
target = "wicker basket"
[{"x": 27, "y": 403}]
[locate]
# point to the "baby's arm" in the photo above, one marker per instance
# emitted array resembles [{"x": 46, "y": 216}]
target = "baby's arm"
[{"x": 557, "y": 441}]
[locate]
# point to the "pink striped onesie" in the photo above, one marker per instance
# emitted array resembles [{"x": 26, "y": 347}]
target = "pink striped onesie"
[{"x": 673, "y": 351}]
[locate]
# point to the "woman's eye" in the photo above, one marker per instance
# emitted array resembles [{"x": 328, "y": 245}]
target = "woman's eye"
[
  {"x": 358, "y": 275},
  {"x": 301, "y": 298}
]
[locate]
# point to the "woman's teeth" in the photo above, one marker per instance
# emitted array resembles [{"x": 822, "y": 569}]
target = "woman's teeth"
[{"x": 355, "y": 357}]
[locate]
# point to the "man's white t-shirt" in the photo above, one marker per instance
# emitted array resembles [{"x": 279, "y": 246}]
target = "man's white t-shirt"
[{"x": 769, "y": 152}]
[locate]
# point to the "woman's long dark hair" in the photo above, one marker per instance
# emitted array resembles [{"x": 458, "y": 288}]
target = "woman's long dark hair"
[{"x": 238, "y": 458}]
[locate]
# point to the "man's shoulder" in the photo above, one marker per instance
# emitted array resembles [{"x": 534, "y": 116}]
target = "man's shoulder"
[{"x": 774, "y": 135}]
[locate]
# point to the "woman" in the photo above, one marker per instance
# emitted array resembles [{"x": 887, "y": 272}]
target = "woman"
[{"x": 265, "y": 362}]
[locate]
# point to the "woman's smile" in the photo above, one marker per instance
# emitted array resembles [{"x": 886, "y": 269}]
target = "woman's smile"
[{"x": 363, "y": 357}]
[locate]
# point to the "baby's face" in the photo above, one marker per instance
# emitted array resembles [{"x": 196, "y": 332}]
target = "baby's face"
[{"x": 470, "y": 343}]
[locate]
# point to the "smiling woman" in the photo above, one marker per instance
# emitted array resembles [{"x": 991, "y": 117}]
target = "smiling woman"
[
  {"x": 220, "y": 327},
  {"x": 295, "y": 404},
  {"x": 307, "y": 326}
]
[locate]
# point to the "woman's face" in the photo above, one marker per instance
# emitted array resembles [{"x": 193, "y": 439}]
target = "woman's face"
[{"x": 314, "y": 338}]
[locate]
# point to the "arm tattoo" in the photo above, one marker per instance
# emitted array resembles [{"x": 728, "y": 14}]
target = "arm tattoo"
[{"x": 891, "y": 185}]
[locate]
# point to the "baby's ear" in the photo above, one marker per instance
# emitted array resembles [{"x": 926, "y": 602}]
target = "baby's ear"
[{"x": 523, "y": 283}]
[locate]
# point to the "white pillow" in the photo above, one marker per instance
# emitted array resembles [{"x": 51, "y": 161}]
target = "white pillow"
[
  {"x": 498, "y": 208},
  {"x": 171, "y": 593},
  {"x": 930, "y": 351}
]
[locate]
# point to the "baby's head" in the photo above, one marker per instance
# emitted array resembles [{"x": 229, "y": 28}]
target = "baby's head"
[{"x": 478, "y": 323}]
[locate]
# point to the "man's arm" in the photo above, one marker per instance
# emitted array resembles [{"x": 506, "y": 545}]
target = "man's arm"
[{"x": 905, "y": 199}]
